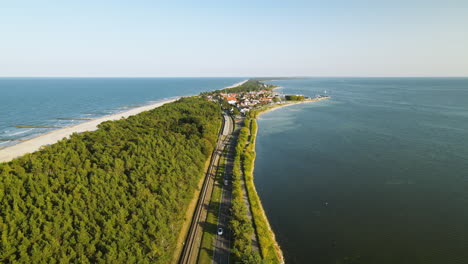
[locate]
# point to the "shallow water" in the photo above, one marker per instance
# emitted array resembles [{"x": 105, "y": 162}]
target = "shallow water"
[{"x": 377, "y": 174}]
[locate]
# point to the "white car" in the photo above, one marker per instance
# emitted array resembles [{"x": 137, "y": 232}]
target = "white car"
[
  {"x": 220, "y": 231},
  {"x": 226, "y": 182}
]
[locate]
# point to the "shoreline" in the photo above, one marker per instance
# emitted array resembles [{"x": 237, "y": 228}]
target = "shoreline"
[
  {"x": 252, "y": 193},
  {"x": 281, "y": 105},
  {"x": 236, "y": 84},
  {"x": 254, "y": 189},
  {"x": 34, "y": 144}
]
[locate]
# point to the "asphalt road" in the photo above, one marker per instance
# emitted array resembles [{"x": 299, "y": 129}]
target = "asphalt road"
[
  {"x": 222, "y": 242},
  {"x": 192, "y": 243}
]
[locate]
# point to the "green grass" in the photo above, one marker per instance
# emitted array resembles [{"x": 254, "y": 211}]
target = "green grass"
[{"x": 209, "y": 230}]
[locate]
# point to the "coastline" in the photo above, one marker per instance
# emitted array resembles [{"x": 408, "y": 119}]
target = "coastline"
[
  {"x": 260, "y": 219},
  {"x": 236, "y": 84},
  {"x": 35, "y": 143},
  {"x": 281, "y": 105},
  {"x": 8, "y": 153}
]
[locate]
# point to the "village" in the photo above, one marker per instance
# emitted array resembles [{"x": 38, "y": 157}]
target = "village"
[{"x": 246, "y": 101}]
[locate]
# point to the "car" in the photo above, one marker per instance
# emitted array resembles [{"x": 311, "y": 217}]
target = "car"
[
  {"x": 220, "y": 231},
  {"x": 226, "y": 182}
]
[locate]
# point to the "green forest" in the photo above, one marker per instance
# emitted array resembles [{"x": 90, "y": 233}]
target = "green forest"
[
  {"x": 248, "y": 86},
  {"x": 291, "y": 97},
  {"x": 115, "y": 195}
]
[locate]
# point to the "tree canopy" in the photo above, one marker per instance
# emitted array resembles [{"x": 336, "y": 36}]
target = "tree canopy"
[
  {"x": 118, "y": 194},
  {"x": 248, "y": 86},
  {"x": 291, "y": 97}
]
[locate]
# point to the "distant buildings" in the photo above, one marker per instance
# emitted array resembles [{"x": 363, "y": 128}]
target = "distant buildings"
[{"x": 245, "y": 101}]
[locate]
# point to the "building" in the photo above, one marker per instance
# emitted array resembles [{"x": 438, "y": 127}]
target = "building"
[{"x": 231, "y": 100}]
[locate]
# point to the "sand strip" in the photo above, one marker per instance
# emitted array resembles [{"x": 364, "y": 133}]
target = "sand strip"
[
  {"x": 236, "y": 84},
  {"x": 281, "y": 105},
  {"x": 34, "y": 144}
]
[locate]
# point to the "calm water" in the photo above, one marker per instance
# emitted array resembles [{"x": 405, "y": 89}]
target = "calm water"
[
  {"x": 378, "y": 174},
  {"x": 40, "y": 101}
]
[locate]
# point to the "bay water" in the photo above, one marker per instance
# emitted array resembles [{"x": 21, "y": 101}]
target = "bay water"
[{"x": 378, "y": 174}]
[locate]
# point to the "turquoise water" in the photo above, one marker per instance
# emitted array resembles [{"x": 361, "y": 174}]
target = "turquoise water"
[
  {"x": 40, "y": 101},
  {"x": 378, "y": 174}
]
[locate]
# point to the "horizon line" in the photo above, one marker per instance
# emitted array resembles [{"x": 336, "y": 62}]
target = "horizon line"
[{"x": 250, "y": 77}]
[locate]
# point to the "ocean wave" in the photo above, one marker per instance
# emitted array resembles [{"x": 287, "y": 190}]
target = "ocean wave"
[
  {"x": 5, "y": 144},
  {"x": 20, "y": 132}
]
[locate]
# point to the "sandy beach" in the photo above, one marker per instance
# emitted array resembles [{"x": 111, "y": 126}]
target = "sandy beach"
[
  {"x": 34, "y": 144},
  {"x": 281, "y": 105},
  {"x": 236, "y": 84}
]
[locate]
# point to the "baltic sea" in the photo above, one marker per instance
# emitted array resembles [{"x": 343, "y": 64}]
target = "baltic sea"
[{"x": 41, "y": 101}]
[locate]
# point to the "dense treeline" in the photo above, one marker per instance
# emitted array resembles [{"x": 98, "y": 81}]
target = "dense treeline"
[
  {"x": 115, "y": 195},
  {"x": 291, "y": 97},
  {"x": 248, "y": 86},
  {"x": 240, "y": 224}
]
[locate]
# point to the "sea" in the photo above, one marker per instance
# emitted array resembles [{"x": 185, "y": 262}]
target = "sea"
[
  {"x": 378, "y": 174},
  {"x": 59, "y": 102}
]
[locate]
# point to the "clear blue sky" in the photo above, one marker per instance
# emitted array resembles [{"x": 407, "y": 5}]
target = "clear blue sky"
[{"x": 239, "y": 38}]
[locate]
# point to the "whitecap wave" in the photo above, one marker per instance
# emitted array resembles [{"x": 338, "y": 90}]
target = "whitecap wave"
[{"x": 20, "y": 132}]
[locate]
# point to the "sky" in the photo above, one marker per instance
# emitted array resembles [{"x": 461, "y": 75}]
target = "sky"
[{"x": 233, "y": 38}]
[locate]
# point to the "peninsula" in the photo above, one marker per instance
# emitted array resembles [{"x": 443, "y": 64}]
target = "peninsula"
[
  {"x": 123, "y": 189},
  {"x": 253, "y": 238}
]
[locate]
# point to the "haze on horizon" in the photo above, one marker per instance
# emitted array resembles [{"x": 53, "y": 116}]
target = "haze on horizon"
[{"x": 210, "y": 38}]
